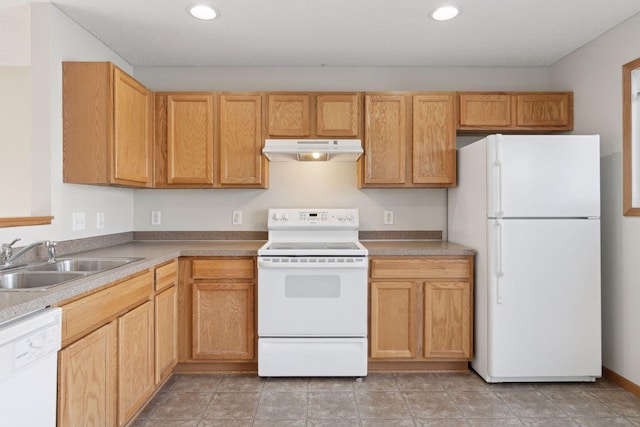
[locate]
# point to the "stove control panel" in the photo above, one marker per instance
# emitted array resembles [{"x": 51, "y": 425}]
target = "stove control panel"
[{"x": 292, "y": 218}]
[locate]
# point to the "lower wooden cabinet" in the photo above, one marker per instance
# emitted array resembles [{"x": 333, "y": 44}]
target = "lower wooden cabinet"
[
  {"x": 106, "y": 366},
  {"x": 421, "y": 308},
  {"x": 136, "y": 378},
  {"x": 217, "y": 314},
  {"x": 166, "y": 306},
  {"x": 87, "y": 380}
]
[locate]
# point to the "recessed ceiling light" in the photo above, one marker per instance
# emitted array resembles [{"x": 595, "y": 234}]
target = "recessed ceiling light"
[
  {"x": 204, "y": 12},
  {"x": 444, "y": 13}
]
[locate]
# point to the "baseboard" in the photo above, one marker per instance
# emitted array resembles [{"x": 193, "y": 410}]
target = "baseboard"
[{"x": 621, "y": 381}]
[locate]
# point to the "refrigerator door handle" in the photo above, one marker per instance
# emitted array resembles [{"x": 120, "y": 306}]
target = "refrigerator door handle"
[
  {"x": 497, "y": 181},
  {"x": 499, "y": 272}
]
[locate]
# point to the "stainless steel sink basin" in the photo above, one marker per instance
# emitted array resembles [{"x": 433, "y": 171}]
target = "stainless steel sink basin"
[
  {"x": 44, "y": 276},
  {"x": 84, "y": 264},
  {"x": 31, "y": 280}
]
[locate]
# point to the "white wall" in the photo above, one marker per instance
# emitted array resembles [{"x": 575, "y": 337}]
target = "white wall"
[
  {"x": 15, "y": 169},
  {"x": 56, "y": 38},
  {"x": 317, "y": 184},
  {"x": 594, "y": 73}
]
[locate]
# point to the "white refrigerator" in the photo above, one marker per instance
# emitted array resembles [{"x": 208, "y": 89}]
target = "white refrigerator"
[{"x": 530, "y": 207}]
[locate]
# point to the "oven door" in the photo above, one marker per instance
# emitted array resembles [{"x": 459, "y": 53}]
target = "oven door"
[{"x": 312, "y": 297}]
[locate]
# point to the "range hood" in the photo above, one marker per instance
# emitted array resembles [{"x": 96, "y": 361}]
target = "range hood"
[{"x": 336, "y": 150}]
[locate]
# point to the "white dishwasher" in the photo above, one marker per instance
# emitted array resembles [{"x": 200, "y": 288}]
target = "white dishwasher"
[{"x": 28, "y": 369}]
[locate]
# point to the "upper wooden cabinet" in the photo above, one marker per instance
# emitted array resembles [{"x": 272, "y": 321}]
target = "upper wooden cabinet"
[
  {"x": 309, "y": 115},
  {"x": 515, "y": 111},
  {"x": 409, "y": 140},
  {"x": 209, "y": 140},
  {"x": 107, "y": 126},
  {"x": 240, "y": 144}
]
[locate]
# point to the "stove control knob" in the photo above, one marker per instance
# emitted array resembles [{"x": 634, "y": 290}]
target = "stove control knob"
[
  {"x": 340, "y": 217},
  {"x": 285, "y": 217},
  {"x": 349, "y": 217},
  {"x": 277, "y": 216}
]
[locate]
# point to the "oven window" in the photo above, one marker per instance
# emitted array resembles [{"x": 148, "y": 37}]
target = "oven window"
[{"x": 312, "y": 286}]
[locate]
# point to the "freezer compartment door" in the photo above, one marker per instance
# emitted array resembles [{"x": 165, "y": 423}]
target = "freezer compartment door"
[
  {"x": 544, "y": 299},
  {"x": 545, "y": 176}
]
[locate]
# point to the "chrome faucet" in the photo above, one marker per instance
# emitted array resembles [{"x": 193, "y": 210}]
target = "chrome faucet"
[{"x": 7, "y": 257}]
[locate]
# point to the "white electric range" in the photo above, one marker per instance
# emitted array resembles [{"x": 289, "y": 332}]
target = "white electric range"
[{"x": 312, "y": 295}]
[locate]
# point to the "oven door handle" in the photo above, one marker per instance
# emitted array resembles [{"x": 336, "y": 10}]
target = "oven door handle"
[{"x": 307, "y": 265}]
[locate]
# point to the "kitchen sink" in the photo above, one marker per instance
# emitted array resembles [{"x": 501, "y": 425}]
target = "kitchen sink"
[
  {"x": 44, "y": 276},
  {"x": 84, "y": 264},
  {"x": 41, "y": 280}
]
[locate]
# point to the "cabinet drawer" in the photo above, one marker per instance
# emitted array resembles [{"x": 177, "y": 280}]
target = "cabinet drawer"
[
  {"x": 223, "y": 268},
  {"x": 442, "y": 267},
  {"x": 85, "y": 314},
  {"x": 166, "y": 275}
]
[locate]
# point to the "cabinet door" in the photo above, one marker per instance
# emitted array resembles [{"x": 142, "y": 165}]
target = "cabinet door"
[
  {"x": 87, "y": 380},
  {"x": 289, "y": 115},
  {"x": 166, "y": 322},
  {"x": 543, "y": 110},
  {"x": 337, "y": 115},
  {"x": 135, "y": 360},
  {"x": 393, "y": 320},
  {"x": 485, "y": 110},
  {"x": 190, "y": 139},
  {"x": 447, "y": 320},
  {"x": 385, "y": 139},
  {"x": 241, "y": 140},
  {"x": 434, "y": 139},
  {"x": 223, "y": 321},
  {"x": 132, "y": 131}
]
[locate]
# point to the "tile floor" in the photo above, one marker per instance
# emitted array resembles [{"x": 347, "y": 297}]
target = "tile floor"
[{"x": 385, "y": 400}]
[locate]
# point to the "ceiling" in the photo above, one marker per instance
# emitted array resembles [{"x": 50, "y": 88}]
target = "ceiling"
[{"x": 334, "y": 33}]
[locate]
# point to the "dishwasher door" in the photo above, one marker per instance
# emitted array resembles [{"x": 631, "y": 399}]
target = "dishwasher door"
[{"x": 29, "y": 369}]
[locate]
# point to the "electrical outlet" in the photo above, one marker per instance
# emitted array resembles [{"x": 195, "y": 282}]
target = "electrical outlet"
[
  {"x": 388, "y": 217},
  {"x": 156, "y": 218},
  {"x": 78, "y": 221},
  {"x": 100, "y": 220},
  {"x": 236, "y": 218}
]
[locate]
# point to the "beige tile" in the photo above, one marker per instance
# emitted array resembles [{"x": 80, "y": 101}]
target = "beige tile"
[
  {"x": 578, "y": 403},
  {"x": 604, "y": 422},
  {"x": 168, "y": 385},
  {"x": 335, "y": 405},
  {"x": 331, "y": 384},
  {"x": 377, "y": 382},
  {"x": 530, "y": 404},
  {"x": 384, "y": 405},
  {"x": 635, "y": 420},
  {"x": 232, "y": 405},
  {"x": 138, "y": 423},
  {"x": 463, "y": 381},
  {"x": 225, "y": 423},
  {"x": 182, "y": 406},
  {"x": 165, "y": 423},
  {"x": 387, "y": 423},
  {"x": 197, "y": 383},
  {"x": 549, "y": 422},
  {"x": 431, "y": 404},
  {"x": 442, "y": 422},
  {"x": 282, "y": 405},
  {"x": 333, "y": 423},
  {"x": 279, "y": 423},
  {"x": 621, "y": 401},
  {"x": 495, "y": 422},
  {"x": 419, "y": 382},
  {"x": 152, "y": 405},
  {"x": 480, "y": 404},
  {"x": 244, "y": 383},
  {"x": 286, "y": 384}
]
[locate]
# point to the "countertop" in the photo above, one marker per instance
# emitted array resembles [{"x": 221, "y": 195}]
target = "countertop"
[{"x": 14, "y": 304}]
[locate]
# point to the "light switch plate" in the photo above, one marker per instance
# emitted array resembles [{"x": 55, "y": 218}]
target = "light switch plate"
[
  {"x": 78, "y": 221},
  {"x": 236, "y": 218},
  {"x": 156, "y": 218},
  {"x": 388, "y": 217}
]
